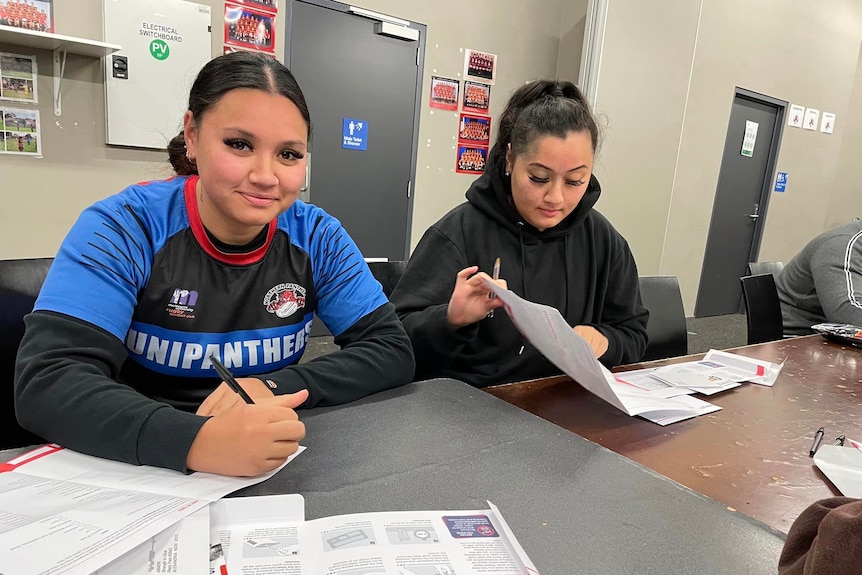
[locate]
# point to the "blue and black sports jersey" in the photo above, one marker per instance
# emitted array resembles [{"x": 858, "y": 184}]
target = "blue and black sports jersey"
[{"x": 141, "y": 266}]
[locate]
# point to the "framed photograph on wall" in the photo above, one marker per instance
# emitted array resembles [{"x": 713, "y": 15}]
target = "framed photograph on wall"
[
  {"x": 18, "y": 78},
  {"x": 35, "y": 15},
  {"x": 444, "y": 93},
  {"x": 249, "y": 28},
  {"x": 21, "y": 132},
  {"x": 477, "y": 97},
  {"x": 471, "y": 159},
  {"x": 475, "y": 130},
  {"x": 480, "y": 67}
]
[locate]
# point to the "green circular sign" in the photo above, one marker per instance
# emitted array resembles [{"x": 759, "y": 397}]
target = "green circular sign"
[{"x": 160, "y": 50}]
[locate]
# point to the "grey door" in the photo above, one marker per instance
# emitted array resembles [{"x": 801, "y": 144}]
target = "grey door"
[
  {"x": 349, "y": 70},
  {"x": 740, "y": 202}
]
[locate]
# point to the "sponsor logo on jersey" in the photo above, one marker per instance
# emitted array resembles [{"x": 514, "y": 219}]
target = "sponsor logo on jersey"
[
  {"x": 182, "y": 303},
  {"x": 284, "y": 300}
]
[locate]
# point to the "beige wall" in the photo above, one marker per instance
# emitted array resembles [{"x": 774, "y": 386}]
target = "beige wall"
[
  {"x": 790, "y": 50},
  {"x": 641, "y": 96},
  {"x": 846, "y": 200},
  {"x": 79, "y": 169},
  {"x": 571, "y": 40}
]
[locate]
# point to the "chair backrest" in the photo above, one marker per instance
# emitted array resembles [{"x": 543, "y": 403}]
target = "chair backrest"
[
  {"x": 762, "y": 308},
  {"x": 667, "y": 331},
  {"x": 20, "y": 282},
  {"x": 387, "y": 273},
  {"x": 758, "y": 268}
]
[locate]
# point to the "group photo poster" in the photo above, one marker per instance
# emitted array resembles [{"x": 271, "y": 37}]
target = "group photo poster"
[
  {"x": 475, "y": 130},
  {"x": 471, "y": 159},
  {"x": 480, "y": 67},
  {"x": 249, "y": 28},
  {"x": 19, "y": 132},
  {"x": 35, "y": 15},
  {"x": 444, "y": 93},
  {"x": 18, "y": 75},
  {"x": 477, "y": 97}
]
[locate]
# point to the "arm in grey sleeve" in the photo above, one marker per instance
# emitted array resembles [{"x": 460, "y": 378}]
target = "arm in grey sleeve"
[{"x": 837, "y": 270}]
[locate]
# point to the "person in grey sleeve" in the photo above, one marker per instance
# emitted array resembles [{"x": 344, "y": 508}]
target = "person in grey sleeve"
[{"x": 823, "y": 282}]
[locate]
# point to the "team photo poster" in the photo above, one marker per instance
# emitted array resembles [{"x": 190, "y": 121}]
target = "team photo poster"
[
  {"x": 249, "y": 28},
  {"x": 444, "y": 93}
]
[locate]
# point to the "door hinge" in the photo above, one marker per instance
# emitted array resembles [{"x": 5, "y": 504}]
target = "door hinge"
[{"x": 417, "y": 56}]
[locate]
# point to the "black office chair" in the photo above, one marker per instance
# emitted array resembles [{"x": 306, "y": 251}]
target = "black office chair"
[
  {"x": 667, "y": 331},
  {"x": 387, "y": 273},
  {"x": 762, "y": 308},
  {"x": 757, "y": 268},
  {"x": 20, "y": 282}
]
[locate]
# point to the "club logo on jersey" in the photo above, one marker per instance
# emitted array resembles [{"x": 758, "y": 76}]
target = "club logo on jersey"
[
  {"x": 182, "y": 303},
  {"x": 284, "y": 300}
]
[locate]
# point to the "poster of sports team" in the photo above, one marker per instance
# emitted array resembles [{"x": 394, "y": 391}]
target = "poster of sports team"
[
  {"x": 250, "y": 25},
  {"x": 474, "y": 122}
]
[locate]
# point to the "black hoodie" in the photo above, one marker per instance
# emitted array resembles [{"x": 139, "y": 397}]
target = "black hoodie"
[{"x": 582, "y": 266}]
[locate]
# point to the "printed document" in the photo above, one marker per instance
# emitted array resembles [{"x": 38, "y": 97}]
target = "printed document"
[
  {"x": 63, "y": 512},
  {"x": 548, "y": 331},
  {"x": 402, "y": 542}
]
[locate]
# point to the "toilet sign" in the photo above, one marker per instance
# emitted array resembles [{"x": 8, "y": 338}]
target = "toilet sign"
[
  {"x": 781, "y": 182},
  {"x": 354, "y": 134}
]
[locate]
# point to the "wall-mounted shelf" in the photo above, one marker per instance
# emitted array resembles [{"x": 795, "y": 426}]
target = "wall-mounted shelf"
[{"x": 61, "y": 46}]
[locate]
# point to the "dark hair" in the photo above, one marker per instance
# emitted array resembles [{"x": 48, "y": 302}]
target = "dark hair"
[
  {"x": 543, "y": 108},
  {"x": 229, "y": 72}
]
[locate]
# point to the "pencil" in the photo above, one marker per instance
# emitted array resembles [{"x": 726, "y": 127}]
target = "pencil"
[
  {"x": 229, "y": 379},
  {"x": 496, "y": 276}
]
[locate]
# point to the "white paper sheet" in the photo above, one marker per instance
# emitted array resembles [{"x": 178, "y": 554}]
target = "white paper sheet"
[
  {"x": 402, "y": 542},
  {"x": 64, "y": 512},
  {"x": 843, "y": 466}
]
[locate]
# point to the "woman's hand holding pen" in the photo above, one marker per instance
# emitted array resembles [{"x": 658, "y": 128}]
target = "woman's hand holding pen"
[
  {"x": 223, "y": 397},
  {"x": 249, "y": 439},
  {"x": 469, "y": 302},
  {"x": 594, "y": 337}
]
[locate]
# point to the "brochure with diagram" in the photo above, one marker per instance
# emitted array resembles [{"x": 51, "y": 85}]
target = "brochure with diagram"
[{"x": 385, "y": 543}]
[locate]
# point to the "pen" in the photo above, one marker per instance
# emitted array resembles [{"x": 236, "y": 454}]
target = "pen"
[
  {"x": 818, "y": 437},
  {"x": 839, "y": 440},
  {"x": 228, "y": 378},
  {"x": 496, "y": 275}
]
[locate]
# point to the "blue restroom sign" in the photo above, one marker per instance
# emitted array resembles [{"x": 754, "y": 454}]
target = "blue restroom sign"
[
  {"x": 781, "y": 182},
  {"x": 354, "y": 134}
]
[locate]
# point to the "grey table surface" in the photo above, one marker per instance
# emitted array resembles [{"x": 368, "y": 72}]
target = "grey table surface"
[{"x": 574, "y": 506}]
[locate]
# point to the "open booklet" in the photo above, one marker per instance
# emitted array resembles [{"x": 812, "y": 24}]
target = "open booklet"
[
  {"x": 842, "y": 464},
  {"x": 548, "y": 331},
  {"x": 65, "y": 512},
  {"x": 257, "y": 540}
]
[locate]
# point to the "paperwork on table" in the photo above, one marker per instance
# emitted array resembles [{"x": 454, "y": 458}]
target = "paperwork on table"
[
  {"x": 546, "y": 329},
  {"x": 842, "y": 464},
  {"x": 657, "y": 394},
  {"x": 64, "y": 512}
]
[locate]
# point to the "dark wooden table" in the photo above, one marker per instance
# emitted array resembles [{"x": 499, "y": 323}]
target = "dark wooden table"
[{"x": 753, "y": 454}]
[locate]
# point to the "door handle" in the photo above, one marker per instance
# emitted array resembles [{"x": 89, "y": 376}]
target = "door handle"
[
  {"x": 305, "y": 188},
  {"x": 756, "y": 213}
]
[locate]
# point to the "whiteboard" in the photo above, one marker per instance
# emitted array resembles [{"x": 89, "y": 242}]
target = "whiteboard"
[{"x": 166, "y": 43}]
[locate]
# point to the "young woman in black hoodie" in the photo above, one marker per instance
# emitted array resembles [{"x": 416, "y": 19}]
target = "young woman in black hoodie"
[{"x": 532, "y": 208}]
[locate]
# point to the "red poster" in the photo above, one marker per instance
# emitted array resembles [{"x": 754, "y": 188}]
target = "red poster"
[
  {"x": 474, "y": 130},
  {"x": 471, "y": 159},
  {"x": 444, "y": 93},
  {"x": 249, "y": 28}
]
